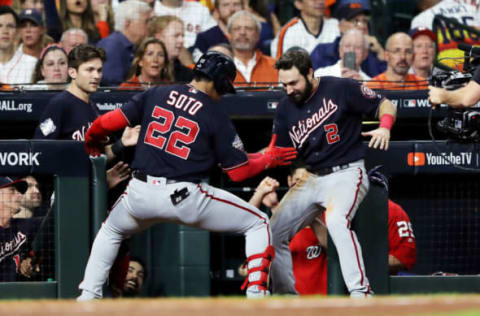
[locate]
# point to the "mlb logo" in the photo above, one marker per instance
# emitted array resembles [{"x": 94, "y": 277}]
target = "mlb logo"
[{"x": 272, "y": 105}]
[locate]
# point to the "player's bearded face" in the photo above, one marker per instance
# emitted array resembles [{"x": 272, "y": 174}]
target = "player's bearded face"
[
  {"x": 299, "y": 96},
  {"x": 134, "y": 279}
]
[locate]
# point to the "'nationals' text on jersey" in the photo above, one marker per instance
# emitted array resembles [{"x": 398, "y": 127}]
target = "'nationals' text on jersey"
[
  {"x": 182, "y": 128},
  {"x": 326, "y": 130}
]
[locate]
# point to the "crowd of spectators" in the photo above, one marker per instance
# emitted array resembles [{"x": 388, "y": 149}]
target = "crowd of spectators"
[{"x": 186, "y": 29}]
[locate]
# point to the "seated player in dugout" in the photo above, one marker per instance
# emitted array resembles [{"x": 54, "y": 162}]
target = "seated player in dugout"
[
  {"x": 16, "y": 259},
  {"x": 127, "y": 277},
  {"x": 308, "y": 246},
  {"x": 402, "y": 251},
  {"x": 31, "y": 199},
  {"x": 185, "y": 132}
]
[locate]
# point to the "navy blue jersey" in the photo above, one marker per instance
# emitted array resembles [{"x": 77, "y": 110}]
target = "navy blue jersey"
[
  {"x": 14, "y": 241},
  {"x": 326, "y": 129},
  {"x": 184, "y": 133},
  {"x": 66, "y": 117}
]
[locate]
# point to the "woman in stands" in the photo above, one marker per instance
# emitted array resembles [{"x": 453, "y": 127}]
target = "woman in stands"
[
  {"x": 74, "y": 14},
  {"x": 51, "y": 69},
  {"x": 150, "y": 66},
  {"x": 170, "y": 30}
]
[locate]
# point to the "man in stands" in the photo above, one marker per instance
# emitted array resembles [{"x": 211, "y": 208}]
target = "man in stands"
[
  {"x": 15, "y": 66},
  {"x": 252, "y": 65},
  {"x": 399, "y": 55},
  {"x": 130, "y": 30},
  {"x": 351, "y": 16}
]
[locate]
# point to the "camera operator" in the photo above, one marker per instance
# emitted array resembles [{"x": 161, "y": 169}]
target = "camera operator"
[{"x": 463, "y": 97}]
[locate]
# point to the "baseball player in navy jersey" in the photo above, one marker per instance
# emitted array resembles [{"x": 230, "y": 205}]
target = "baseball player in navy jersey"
[
  {"x": 69, "y": 113},
  {"x": 321, "y": 118},
  {"x": 184, "y": 133},
  {"x": 16, "y": 234}
]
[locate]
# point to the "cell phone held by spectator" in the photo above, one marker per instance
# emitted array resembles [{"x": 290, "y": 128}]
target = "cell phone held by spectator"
[{"x": 349, "y": 60}]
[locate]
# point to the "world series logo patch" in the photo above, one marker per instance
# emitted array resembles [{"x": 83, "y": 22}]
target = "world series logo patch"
[{"x": 367, "y": 92}]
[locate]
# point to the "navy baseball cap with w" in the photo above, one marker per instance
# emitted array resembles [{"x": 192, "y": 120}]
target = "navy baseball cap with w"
[{"x": 20, "y": 184}]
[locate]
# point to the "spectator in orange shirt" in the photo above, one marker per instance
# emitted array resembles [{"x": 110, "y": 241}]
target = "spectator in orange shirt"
[
  {"x": 399, "y": 56},
  {"x": 150, "y": 66},
  {"x": 252, "y": 66}
]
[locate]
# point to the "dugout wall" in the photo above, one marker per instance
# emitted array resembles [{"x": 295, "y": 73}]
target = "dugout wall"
[{"x": 442, "y": 201}]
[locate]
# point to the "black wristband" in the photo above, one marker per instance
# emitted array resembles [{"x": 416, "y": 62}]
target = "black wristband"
[{"x": 118, "y": 147}]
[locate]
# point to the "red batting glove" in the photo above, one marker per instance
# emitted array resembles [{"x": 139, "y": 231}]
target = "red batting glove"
[
  {"x": 279, "y": 156},
  {"x": 93, "y": 147}
]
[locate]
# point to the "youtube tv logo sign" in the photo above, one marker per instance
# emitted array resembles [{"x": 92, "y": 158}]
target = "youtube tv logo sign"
[{"x": 416, "y": 159}]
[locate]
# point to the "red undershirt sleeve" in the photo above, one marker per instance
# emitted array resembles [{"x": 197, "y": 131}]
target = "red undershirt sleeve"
[
  {"x": 256, "y": 164},
  {"x": 107, "y": 123}
]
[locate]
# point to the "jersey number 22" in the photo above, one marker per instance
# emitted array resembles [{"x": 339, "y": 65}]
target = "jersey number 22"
[{"x": 185, "y": 132}]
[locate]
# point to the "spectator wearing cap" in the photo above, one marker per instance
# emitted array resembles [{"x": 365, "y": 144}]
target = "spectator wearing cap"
[
  {"x": 15, "y": 234},
  {"x": 351, "y": 16},
  {"x": 15, "y": 66},
  {"x": 252, "y": 66},
  {"x": 307, "y": 30},
  {"x": 399, "y": 54},
  {"x": 423, "y": 51},
  {"x": 352, "y": 41},
  {"x": 32, "y": 32}
]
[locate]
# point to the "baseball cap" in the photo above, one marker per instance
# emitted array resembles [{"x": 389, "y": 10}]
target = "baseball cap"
[
  {"x": 350, "y": 10},
  {"x": 31, "y": 15},
  {"x": 20, "y": 184},
  {"x": 421, "y": 30}
]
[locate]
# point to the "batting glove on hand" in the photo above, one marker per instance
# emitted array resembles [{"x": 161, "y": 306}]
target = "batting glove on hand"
[
  {"x": 94, "y": 146},
  {"x": 279, "y": 156}
]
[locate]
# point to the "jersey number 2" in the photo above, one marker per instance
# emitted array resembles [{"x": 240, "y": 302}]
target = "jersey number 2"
[
  {"x": 186, "y": 133},
  {"x": 332, "y": 133}
]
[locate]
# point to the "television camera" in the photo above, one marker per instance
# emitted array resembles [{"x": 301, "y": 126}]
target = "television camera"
[{"x": 461, "y": 125}]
